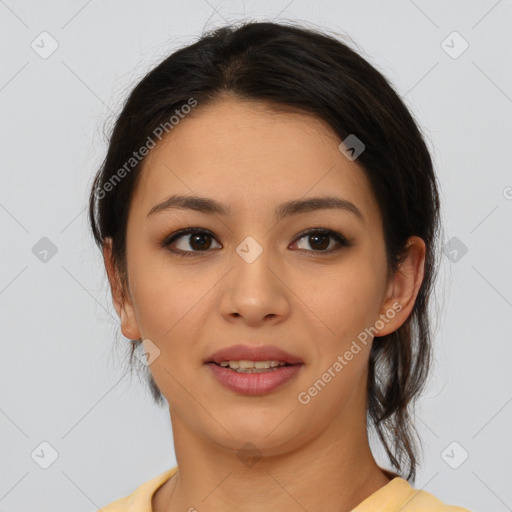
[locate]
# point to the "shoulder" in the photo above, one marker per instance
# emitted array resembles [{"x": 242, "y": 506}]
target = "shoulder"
[
  {"x": 399, "y": 495},
  {"x": 140, "y": 499}
]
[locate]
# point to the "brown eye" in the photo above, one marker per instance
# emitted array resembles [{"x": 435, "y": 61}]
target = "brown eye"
[
  {"x": 189, "y": 241},
  {"x": 322, "y": 240}
]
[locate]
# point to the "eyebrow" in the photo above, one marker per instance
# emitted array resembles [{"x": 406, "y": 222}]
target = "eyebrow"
[{"x": 295, "y": 207}]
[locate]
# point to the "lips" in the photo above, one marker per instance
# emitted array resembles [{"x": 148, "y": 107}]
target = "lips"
[
  {"x": 253, "y": 353},
  {"x": 255, "y": 384}
]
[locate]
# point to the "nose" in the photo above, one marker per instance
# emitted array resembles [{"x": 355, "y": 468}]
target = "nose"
[{"x": 254, "y": 292}]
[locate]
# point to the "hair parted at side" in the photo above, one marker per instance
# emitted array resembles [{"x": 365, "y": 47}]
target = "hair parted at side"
[{"x": 292, "y": 67}]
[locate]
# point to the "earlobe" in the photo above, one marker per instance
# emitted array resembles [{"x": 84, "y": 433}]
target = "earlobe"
[
  {"x": 404, "y": 287},
  {"x": 122, "y": 304},
  {"x": 129, "y": 326}
]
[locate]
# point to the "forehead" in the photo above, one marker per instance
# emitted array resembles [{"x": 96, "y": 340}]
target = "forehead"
[{"x": 245, "y": 154}]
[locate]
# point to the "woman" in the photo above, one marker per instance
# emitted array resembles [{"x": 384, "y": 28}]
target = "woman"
[{"x": 268, "y": 215}]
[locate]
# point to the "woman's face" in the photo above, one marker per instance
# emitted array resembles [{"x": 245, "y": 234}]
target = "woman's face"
[{"x": 311, "y": 296}]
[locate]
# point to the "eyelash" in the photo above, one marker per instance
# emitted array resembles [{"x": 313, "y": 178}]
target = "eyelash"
[{"x": 322, "y": 231}]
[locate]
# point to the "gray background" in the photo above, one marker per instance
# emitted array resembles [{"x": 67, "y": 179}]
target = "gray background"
[{"x": 63, "y": 379}]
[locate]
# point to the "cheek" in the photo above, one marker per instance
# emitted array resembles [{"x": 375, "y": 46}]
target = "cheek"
[
  {"x": 345, "y": 301},
  {"x": 164, "y": 307},
  {"x": 161, "y": 297},
  {"x": 171, "y": 300}
]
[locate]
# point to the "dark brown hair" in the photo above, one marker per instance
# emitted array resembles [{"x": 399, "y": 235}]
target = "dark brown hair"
[{"x": 293, "y": 67}]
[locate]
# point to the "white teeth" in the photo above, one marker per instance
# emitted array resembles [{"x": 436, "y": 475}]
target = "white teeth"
[{"x": 244, "y": 364}]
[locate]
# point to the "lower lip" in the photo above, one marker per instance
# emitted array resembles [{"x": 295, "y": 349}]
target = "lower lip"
[{"x": 254, "y": 383}]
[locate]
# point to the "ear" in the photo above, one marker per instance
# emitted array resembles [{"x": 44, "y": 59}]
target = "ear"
[
  {"x": 121, "y": 299},
  {"x": 403, "y": 288}
]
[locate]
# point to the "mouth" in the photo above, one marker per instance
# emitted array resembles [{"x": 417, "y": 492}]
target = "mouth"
[
  {"x": 254, "y": 381},
  {"x": 245, "y": 366},
  {"x": 254, "y": 370},
  {"x": 253, "y": 358}
]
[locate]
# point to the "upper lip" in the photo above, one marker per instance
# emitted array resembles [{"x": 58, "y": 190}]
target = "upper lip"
[{"x": 253, "y": 353}]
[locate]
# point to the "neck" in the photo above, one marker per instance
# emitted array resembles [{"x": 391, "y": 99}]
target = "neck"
[{"x": 336, "y": 464}]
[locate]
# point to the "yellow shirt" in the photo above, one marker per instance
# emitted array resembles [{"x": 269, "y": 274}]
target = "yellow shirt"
[{"x": 396, "y": 495}]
